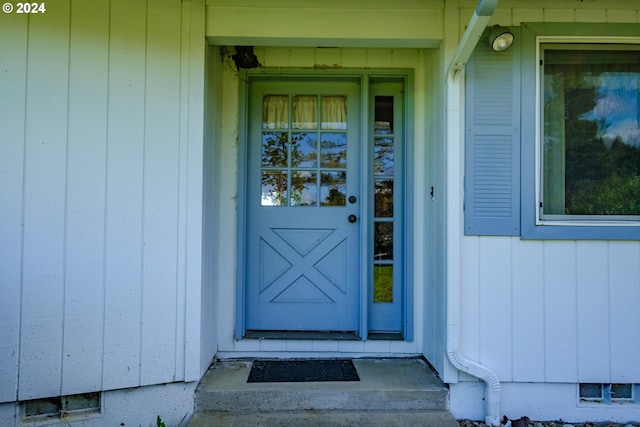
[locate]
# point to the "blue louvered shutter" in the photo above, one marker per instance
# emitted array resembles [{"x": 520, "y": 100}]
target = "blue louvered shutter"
[{"x": 492, "y": 142}]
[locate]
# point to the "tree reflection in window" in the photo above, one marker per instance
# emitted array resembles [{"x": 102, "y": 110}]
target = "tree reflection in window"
[{"x": 591, "y": 151}]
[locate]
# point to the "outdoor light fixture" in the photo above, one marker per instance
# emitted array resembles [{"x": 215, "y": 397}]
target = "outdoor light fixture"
[{"x": 500, "y": 38}]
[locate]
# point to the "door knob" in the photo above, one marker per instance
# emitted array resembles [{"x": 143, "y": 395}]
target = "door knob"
[{"x": 352, "y": 218}]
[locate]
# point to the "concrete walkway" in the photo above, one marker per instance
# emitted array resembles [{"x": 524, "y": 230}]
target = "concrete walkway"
[{"x": 391, "y": 392}]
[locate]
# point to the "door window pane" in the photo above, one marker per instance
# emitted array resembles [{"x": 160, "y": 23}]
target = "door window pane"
[
  {"x": 334, "y": 112},
  {"x": 275, "y": 112},
  {"x": 302, "y": 166},
  {"x": 274, "y": 149},
  {"x": 305, "y": 112},
  {"x": 274, "y": 188},
  {"x": 382, "y": 283},
  {"x": 304, "y": 150},
  {"x": 304, "y": 189},
  {"x": 591, "y": 137},
  {"x": 333, "y": 148},
  {"x": 333, "y": 189}
]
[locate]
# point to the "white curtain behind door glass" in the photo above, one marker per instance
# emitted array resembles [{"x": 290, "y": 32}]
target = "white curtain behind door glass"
[
  {"x": 275, "y": 112},
  {"x": 334, "y": 112},
  {"x": 304, "y": 110}
]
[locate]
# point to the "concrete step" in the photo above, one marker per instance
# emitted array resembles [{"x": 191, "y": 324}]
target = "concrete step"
[
  {"x": 390, "y": 392},
  {"x": 326, "y": 419}
]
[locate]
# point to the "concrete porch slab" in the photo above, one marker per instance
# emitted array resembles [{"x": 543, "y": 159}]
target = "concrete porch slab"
[{"x": 390, "y": 392}]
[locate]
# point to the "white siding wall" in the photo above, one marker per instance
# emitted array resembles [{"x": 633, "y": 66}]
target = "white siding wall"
[
  {"x": 100, "y": 211},
  {"x": 553, "y": 311}
]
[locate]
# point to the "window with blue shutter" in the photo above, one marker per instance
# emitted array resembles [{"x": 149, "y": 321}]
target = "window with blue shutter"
[{"x": 504, "y": 183}]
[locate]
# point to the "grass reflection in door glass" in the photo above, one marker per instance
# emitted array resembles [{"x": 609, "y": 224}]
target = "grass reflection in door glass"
[{"x": 383, "y": 283}]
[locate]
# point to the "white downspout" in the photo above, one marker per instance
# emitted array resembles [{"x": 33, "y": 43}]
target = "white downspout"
[{"x": 465, "y": 48}]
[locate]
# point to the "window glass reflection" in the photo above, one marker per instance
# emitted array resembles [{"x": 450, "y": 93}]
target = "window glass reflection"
[
  {"x": 304, "y": 189},
  {"x": 591, "y": 155},
  {"x": 383, "y": 156},
  {"x": 383, "y": 193},
  {"x": 333, "y": 188},
  {"x": 274, "y": 149},
  {"x": 304, "y": 150},
  {"x": 383, "y": 240},
  {"x": 274, "y": 188},
  {"x": 333, "y": 148}
]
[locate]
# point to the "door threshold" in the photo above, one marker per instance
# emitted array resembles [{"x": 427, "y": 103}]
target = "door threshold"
[
  {"x": 385, "y": 336},
  {"x": 302, "y": 335}
]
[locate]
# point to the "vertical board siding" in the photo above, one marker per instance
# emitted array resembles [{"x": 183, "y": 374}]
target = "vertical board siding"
[
  {"x": 123, "y": 229},
  {"x": 84, "y": 249},
  {"x": 43, "y": 272},
  {"x": 527, "y": 311},
  {"x": 470, "y": 289},
  {"x": 191, "y": 143},
  {"x": 13, "y": 74},
  {"x": 495, "y": 276},
  {"x": 554, "y": 311},
  {"x": 592, "y": 278},
  {"x": 161, "y": 161},
  {"x": 101, "y": 173},
  {"x": 560, "y": 315},
  {"x": 624, "y": 315}
]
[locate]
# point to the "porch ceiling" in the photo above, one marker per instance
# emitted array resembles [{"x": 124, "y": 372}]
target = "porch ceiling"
[{"x": 409, "y": 27}]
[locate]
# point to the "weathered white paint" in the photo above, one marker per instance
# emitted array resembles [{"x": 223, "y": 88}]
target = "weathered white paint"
[
  {"x": 43, "y": 216},
  {"x": 199, "y": 349},
  {"x": 101, "y": 168},
  {"x": 211, "y": 260},
  {"x": 85, "y": 182},
  {"x": 12, "y": 134}
]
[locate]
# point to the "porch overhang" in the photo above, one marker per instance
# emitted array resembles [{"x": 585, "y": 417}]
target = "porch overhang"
[{"x": 343, "y": 25}]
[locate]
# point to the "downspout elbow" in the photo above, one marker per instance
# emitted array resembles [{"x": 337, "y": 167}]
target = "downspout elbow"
[{"x": 491, "y": 380}]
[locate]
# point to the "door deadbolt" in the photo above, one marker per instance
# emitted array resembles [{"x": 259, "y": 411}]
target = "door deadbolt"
[{"x": 352, "y": 199}]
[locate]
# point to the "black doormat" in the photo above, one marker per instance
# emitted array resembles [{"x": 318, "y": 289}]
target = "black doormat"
[{"x": 266, "y": 371}]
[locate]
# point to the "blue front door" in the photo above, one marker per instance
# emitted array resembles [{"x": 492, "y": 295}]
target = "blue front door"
[{"x": 303, "y": 225}]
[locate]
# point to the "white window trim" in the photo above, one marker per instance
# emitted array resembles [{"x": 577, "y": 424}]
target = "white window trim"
[{"x": 573, "y": 221}]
